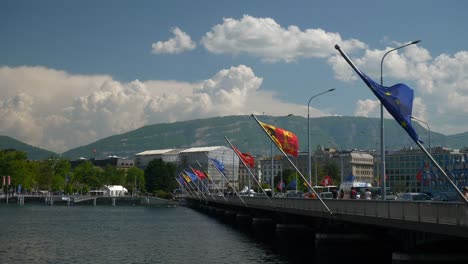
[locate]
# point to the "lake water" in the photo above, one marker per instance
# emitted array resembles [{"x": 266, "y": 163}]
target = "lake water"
[{"x": 133, "y": 234}]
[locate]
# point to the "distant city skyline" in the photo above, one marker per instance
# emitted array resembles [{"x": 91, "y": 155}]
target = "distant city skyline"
[{"x": 72, "y": 73}]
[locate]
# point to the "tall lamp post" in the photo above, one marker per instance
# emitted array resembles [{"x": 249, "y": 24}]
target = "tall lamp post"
[
  {"x": 382, "y": 143},
  {"x": 248, "y": 143},
  {"x": 308, "y": 138},
  {"x": 428, "y": 128},
  {"x": 272, "y": 161}
]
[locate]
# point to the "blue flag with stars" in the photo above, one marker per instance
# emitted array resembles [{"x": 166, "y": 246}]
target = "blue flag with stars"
[
  {"x": 398, "y": 100},
  {"x": 218, "y": 164}
]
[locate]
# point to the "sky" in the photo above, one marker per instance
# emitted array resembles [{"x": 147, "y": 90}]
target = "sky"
[{"x": 74, "y": 72}]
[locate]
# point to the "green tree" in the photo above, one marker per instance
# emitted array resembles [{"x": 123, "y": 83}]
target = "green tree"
[
  {"x": 160, "y": 175},
  {"x": 135, "y": 177},
  {"x": 86, "y": 175},
  {"x": 331, "y": 169},
  {"x": 113, "y": 176}
]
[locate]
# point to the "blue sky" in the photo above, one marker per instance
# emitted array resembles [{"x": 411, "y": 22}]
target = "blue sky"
[{"x": 73, "y": 72}]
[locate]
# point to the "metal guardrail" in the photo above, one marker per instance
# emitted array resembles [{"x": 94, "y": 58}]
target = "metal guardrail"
[{"x": 440, "y": 214}]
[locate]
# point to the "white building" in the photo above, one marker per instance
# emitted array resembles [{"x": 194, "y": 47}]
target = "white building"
[
  {"x": 142, "y": 159},
  {"x": 115, "y": 190}
]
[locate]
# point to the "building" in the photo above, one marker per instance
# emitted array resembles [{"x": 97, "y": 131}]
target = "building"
[
  {"x": 142, "y": 159},
  {"x": 409, "y": 170},
  {"x": 198, "y": 158}
]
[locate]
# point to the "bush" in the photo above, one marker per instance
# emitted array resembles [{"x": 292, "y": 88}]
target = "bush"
[{"x": 162, "y": 194}]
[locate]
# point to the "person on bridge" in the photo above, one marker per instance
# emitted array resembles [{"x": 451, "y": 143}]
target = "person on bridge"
[{"x": 465, "y": 192}]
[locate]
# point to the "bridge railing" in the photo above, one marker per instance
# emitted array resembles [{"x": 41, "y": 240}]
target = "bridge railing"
[{"x": 455, "y": 214}]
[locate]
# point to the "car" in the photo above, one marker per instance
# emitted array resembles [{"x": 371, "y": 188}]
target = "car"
[
  {"x": 445, "y": 197},
  {"x": 376, "y": 193},
  {"x": 414, "y": 196}
]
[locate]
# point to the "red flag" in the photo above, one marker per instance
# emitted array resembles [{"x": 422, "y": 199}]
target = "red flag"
[
  {"x": 419, "y": 175},
  {"x": 199, "y": 174},
  {"x": 246, "y": 157},
  {"x": 284, "y": 139},
  {"x": 327, "y": 180},
  {"x": 8, "y": 179}
]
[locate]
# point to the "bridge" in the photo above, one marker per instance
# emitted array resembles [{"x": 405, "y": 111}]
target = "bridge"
[
  {"x": 404, "y": 225},
  {"x": 21, "y": 199}
]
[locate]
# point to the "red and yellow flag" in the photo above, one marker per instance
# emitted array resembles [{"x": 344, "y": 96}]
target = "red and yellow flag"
[{"x": 286, "y": 140}]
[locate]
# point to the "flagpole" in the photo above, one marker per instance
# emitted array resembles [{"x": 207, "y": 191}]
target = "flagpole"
[
  {"x": 181, "y": 185},
  {"x": 198, "y": 188},
  {"x": 189, "y": 188},
  {"x": 293, "y": 165},
  {"x": 226, "y": 179},
  {"x": 211, "y": 181},
  {"x": 203, "y": 184},
  {"x": 248, "y": 169},
  {"x": 423, "y": 149},
  {"x": 192, "y": 189}
]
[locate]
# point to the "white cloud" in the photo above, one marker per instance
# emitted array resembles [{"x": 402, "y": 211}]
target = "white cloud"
[
  {"x": 98, "y": 106},
  {"x": 264, "y": 38},
  {"x": 179, "y": 43},
  {"x": 440, "y": 84}
]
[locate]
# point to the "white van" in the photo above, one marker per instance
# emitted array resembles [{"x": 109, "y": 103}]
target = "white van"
[{"x": 346, "y": 187}]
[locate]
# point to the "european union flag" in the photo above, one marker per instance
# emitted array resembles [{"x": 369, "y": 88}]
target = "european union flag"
[
  {"x": 218, "y": 164},
  {"x": 398, "y": 100}
]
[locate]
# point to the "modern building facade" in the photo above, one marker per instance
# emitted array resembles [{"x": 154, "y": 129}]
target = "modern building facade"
[{"x": 409, "y": 170}]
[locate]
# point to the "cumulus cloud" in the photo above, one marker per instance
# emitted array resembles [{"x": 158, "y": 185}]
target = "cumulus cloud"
[
  {"x": 440, "y": 83},
  {"x": 179, "y": 43},
  {"x": 100, "y": 106},
  {"x": 266, "y": 39}
]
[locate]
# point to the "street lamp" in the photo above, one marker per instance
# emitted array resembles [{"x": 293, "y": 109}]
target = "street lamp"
[
  {"x": 248, "y": 143},
  {"x": 428, "y": 128},
  {"x": 308, "y": 138},
  {"x": 382, "y": 146},
  {"x": 272, "y": 183}
]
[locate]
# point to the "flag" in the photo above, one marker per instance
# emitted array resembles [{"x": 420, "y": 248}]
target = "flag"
[
  {"x": 284, "y": 139},
  {"x": 182, "y": 182},
  {"x": 280, "y": 185},
  {"x": 218, "y": 164},
  {"x": 292, "y": 184},
  {"x": 192, "y": 176},
  {"x": 199, "y": 174},
  {"x": 419, "y": 176},
  {"x": 187, "y": 178},
  {"x": 245, "y": 157},
  {"x": 398, "y": 100},
  {"x": 327, "y": 180}
]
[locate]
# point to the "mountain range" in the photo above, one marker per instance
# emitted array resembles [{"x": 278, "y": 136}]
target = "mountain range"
[{"x": 340, "y": 132}]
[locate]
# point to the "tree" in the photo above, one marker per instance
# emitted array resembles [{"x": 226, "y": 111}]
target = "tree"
[
  {"x": 86, "y": 175},
  {"x": 331, "y": 169},
  {"x": 135, "y": 177},
  {"x": 160, "y": 175}
]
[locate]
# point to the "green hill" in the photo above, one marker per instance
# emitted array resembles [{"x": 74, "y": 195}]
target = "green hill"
[
  {"x": 34, "y": 153},
  {"x": 340, "y": 132}
]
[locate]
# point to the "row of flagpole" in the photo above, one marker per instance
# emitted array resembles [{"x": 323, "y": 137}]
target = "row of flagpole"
[{"x": 398, "y": 100}]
